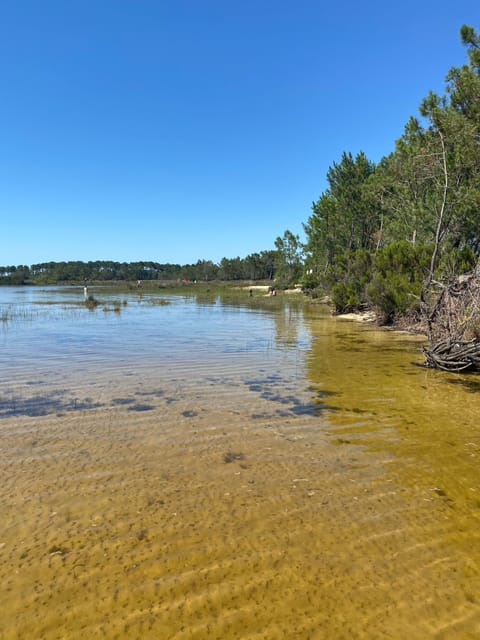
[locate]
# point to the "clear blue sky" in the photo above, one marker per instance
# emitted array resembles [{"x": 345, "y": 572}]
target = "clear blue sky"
[{"x": 178, "y": 130}]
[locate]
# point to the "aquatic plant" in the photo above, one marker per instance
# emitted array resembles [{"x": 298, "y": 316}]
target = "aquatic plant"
[
  {"x": 116, "y": 306},
  {"x": 91, "y": 302},
  {"x": 17, "y": 312}
]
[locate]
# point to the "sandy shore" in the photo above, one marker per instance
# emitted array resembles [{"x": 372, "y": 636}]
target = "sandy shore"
[
  {"x": 261, "y": 287},
  {"x": 363, "y": 316}
]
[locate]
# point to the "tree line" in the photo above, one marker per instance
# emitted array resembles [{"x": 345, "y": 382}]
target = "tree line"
[
  {"x": 386, "y": 234},
  {"x": 283, "y": 263}
]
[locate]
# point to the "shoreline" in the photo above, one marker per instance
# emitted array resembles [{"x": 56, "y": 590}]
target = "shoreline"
[{"x": 359, "y": 316}]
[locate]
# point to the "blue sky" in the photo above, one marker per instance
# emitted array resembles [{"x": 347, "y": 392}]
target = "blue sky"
[{"x": 175, "y": 130}]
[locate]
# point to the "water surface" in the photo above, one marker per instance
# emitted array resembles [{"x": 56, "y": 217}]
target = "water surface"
[{"x": 185, "y": 469}]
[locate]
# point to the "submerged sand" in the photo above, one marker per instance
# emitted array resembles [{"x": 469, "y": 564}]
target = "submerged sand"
[{"x": 192, "y": 518}]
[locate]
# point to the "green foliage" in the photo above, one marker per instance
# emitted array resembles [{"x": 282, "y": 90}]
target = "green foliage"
[
  {"x": 470, "y": 38},
  {"x": 15, "y": 275},
  {"x": 257, "y": 266},
  {"x": 403, "y": 258},
  {"x": 347, "y": 296},
  {"x": 393, "y": 284},
  {"x": 392, "y": 296},
  {"x": 456, "y": 261},
  {"x": 345, "y": 216},
  {"x": 348, "y": 278},
  {"x": 288, "y": 259},
  {"x": 388, "y": 280},
  {"x": 399, "y": 272}
]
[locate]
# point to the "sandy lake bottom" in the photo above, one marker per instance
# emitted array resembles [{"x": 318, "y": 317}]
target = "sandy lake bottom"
[{"x": 340, "y": 502}]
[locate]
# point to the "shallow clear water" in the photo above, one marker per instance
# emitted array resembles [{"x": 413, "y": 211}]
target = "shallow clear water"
[
  {"x": 51, "y": 326},
  {"x": 211, "y": 470},
  {"x": 49, "y": 338}
]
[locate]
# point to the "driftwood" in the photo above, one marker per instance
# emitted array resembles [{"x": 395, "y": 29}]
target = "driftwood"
[
  {"x": 454, "y": 325},
  {"x": 454, "y": 356}
]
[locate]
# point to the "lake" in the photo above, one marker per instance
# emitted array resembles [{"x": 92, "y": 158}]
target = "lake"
[{"x": 202, "y": 467}]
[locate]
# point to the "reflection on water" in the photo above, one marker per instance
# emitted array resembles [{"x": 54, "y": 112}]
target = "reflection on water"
[{"x": 220, "y": 470}]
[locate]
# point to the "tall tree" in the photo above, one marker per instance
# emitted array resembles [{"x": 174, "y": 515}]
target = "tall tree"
[
  {"x": 356, "y": 222},
  {"x": 321, "y": 232},
  {"x": 289, "y": 258},
  {"x": 344, "y": 217}
]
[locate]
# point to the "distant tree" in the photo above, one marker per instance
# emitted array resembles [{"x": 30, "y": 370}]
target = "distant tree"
[
  {"x": 267, "y": 264},
  {"x": 205, "y": 270},
  {"x": 289, "y": 258},
  {"x": 232, "y": 269},
  {"x": 253, "y": 266},
  {"x": 321, "y": 230}
]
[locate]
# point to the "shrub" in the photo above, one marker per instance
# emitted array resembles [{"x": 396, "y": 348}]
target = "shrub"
[
  {"x": 456, "y": 261},
  {"x": 393, "y": 295},
  {"x": 348, "y": 280}
]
